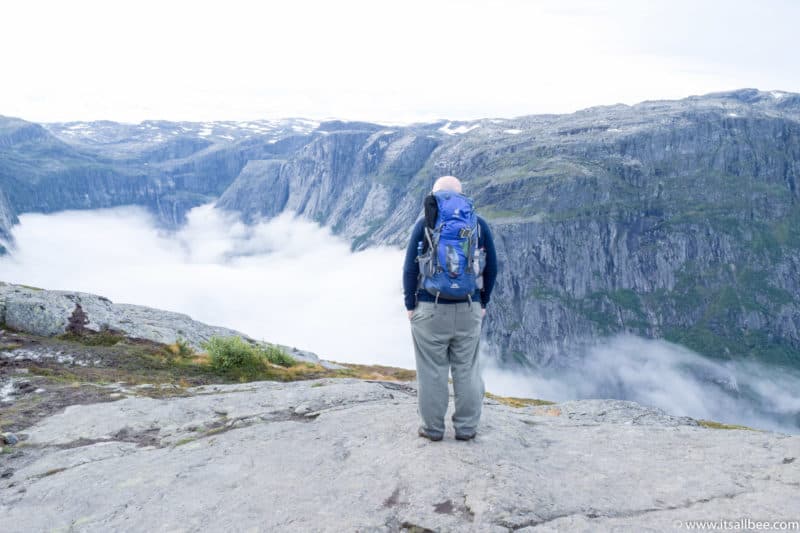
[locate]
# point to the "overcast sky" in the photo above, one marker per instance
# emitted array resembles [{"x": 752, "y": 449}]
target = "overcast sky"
[{"x": 390, "y": 61}]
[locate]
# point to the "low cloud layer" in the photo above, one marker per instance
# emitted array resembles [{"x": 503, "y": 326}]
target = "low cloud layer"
[
  {"x": 286, "y": 280},
  {"x": 291, "y": 281},
  {"x": 669, "y": 376}
]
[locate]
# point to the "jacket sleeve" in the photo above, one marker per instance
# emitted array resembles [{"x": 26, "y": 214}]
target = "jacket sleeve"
[
  {"x": 411, "y": 267},
  {"x": 490, "y": 269}
]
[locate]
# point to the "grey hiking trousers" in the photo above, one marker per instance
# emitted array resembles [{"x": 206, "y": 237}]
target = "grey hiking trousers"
[{"x": 447, "y": 338}]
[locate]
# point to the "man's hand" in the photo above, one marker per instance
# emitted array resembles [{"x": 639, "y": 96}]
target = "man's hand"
[
  {"x": 410, "y": 314},
  {"x": 483, "y": 312}
]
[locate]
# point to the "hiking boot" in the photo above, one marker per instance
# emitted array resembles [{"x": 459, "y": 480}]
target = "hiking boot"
[
  {"x": 465, "y": 436},
  {"x": 434, "y": 438}
]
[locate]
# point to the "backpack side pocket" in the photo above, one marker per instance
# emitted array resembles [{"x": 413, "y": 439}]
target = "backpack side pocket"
[{"x": 425, "y": 262}]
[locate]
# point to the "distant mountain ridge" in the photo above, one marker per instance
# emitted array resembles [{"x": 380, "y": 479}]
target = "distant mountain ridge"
[{"x": 673, "y": 219}]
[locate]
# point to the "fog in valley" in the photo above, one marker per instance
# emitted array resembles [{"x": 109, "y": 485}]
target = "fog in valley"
[{"x": 290, "y": 281}]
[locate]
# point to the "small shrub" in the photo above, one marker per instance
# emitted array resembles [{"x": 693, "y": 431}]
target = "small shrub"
[
  {"x": 228, "y": 353},
  {"x": 181, "y": 348},
  {"x": 77, "y": 321},
  {"x": 276, "y": 356},
  {"x": 102, "y": 338},
  {"x": 94, "y": 338}
]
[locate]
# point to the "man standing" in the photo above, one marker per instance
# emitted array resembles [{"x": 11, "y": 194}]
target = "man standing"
[{"x": 442, "y": 261}]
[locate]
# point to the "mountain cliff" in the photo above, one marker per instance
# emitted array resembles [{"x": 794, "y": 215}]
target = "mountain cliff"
[{"x": 668, "y": 219}]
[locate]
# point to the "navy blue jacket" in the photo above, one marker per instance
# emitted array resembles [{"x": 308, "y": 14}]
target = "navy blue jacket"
[{"x": 411, "y": 268}]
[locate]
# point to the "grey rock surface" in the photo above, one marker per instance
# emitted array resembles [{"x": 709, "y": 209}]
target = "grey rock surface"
[
  {"x": 343, "y": 455},
  {"x": 7, "y": 219},
  {"x": 47, "y": 313}
]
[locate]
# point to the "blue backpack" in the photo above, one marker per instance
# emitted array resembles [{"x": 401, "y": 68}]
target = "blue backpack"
[{"x": 452, "y": 265}]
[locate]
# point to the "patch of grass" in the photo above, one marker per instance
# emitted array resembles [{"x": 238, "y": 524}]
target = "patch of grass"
[
  {"x": 375, "y": 372},
  {"x": 276, "y": 356},
  {"x": 134, "y": 362},
  {"x": 181, "y": 348},
  {"x": 719, "y": 425},
  {"x": 186, "y": 440},
  {"x": 217, "y": 430},
  {"x": 10, "y": 346},
  {"x": 239, "y": 360},
  {"x": 517, "y": 402},
  {"x": 295, "y": 373},
  {"x": 229, "y": 353},
  {"x": 55, "y": 375},
  {"x": 100, "y": 338}
]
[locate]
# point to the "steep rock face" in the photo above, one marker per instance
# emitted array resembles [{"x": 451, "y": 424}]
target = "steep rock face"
[
  {"x": 349, "y": 179},
  {"x": 167, "y": 167},
  {"x": 258, "y": 191},
  {"x": 343, "y": 455},
  {"x": 681, "y": 232},
  {"x": 7, "y": 219}
]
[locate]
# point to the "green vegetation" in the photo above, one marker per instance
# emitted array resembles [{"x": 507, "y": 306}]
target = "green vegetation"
[
  {"x": 181, "y": 348},
  {"x": 361, "y": 239},
  {"x": 517, "y": 402},
  {"x": 709, "y": 301},
  {"x": 230, "y": 352},
  {"x": 276, "y": 356},
  {"x": 376, "y": 372},
  {"x": 234, "y": 353},
  {"x": 539, "y": 291},
  {"x": 169, "y": 370},
  {"x": 9, "y": 346},
  {"x": 719, "y": 425},
  {"x": 53, "y": 471},
  {"x": 491, "y": 212},
  {"x": 714, "y": 311},
  {"x": 100, "y": 338}
]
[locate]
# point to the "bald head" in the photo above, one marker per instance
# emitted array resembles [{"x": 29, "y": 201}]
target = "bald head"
[{"x": 447, "y": 183}]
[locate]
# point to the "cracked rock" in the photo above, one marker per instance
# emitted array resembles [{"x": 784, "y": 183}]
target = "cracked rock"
[{"x": 357, "y": 464}]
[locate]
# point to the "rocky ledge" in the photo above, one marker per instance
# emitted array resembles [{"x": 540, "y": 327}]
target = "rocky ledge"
[
  {"x": 343, "y": 455},
  {"x": 127, "y": 435},
  {"x": 48, "y": 313}
]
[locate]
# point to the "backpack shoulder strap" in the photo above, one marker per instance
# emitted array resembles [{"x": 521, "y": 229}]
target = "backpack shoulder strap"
[
  {"x": 428, "y": 237},
  {"x": 431, "y": 209}
]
